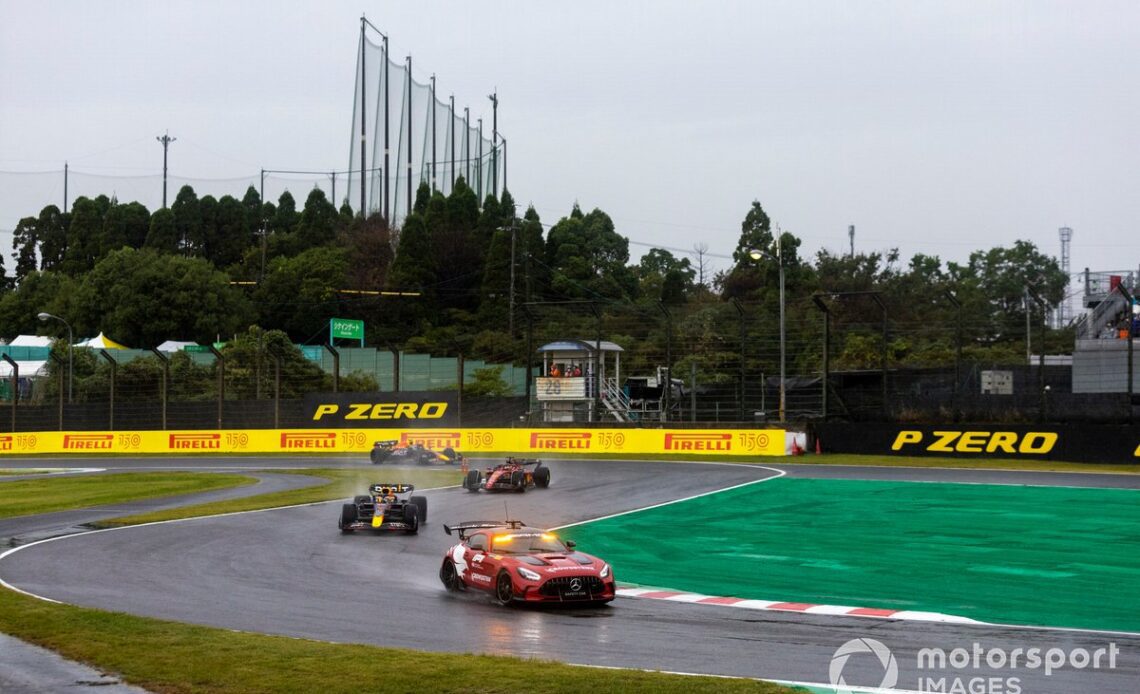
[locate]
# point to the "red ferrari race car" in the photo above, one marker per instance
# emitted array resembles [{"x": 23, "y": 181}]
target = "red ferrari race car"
[
  {"x": 519, "y": 564},
  {"x": 515, "y": 475},
  {"x": 384, "y": 508},
  {"x": 392, "y": 451}
]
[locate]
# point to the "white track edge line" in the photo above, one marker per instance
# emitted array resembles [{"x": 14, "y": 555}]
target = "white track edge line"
[
  {"x": 677, "y": 501},
  {"x": 3, "y": 555}
]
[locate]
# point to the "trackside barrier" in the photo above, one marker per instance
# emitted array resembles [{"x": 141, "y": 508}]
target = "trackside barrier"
[{"x": 691, "y": 442}]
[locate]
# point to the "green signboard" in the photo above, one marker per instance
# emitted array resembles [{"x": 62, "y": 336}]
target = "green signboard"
[
  {"x": 346, "y": 329},
  {"x": 196, "y": 348}
]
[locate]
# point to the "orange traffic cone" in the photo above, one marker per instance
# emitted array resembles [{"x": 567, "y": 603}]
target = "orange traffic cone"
[
  {"x": 817, "y": 449},
  {"x": 796, "y": 450}
]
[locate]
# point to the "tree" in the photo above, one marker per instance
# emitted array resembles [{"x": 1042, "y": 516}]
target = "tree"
[
  {"x": 284, "y": 218},
  {"x": 163, "y": 234},
  {"x": 53, "y": 292},
  {"x": 143, "y": 298},
  {"x": 24, "y": 241},
  {"x": 318, "y": 222},
  {"x": 187, "y": 219},
  {"x": 83, "y": 236},
  {"x": 299, "y": 295},
  {"x": 51, "y": 230},
  {"x": 233, "y": 236},
  {"x": 665, "y": 278},
  {"x": 588, "y": 258},
  {"x": 124, "y": 225}
]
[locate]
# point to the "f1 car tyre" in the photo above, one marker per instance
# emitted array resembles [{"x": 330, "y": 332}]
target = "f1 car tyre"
[
  {"x": 362, "y": 499},
  {"x": 421, "y": 503},
  {"x": 412, "y": 518},
  {"x": 504, "y": 588},
  {"x": 471, "y": 481},
  {"x": 447, "y": 575},
  {"x": 450, "y": 453},
  {"x": 518, "y": 480},
  {"x": 542, "y": 476},
  {"x": 378, "y": 456},
  {"x": 347, "y": 517}
]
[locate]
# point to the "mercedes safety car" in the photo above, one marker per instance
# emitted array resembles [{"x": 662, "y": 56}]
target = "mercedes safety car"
[
  {"x": 515, "y": 563},
  {"x": 515, "y": 475},
  {"x": 393, "y": 451},
  {"x": 386, "y": 506}
]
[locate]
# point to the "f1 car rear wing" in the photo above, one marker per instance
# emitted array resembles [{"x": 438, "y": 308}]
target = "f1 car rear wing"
[
  {"x": 465, "y": 526},
  {"x": 392, "y": 488},
  {"x": 387, "y": 443},
  {"x": 523, "y": 461}
]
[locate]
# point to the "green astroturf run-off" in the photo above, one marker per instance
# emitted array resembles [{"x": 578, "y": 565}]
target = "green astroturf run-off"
[{"x": 1050, "y": 556}]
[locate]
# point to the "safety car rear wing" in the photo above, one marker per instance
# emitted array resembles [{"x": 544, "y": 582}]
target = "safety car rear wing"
[
  {"x": 393, "y": 488},
  {"x": 463, "y": 527}
]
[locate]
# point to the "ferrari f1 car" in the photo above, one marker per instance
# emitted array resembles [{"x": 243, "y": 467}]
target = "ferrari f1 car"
[
  {"x": 515, "y": 475},
  {"x": 385, "y": 507},
  {"x": 515, "y": 563},
  {"x": 392, "y": 451}
]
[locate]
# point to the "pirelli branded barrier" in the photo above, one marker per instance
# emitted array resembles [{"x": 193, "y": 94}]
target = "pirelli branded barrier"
[
  {"x": 1084, "y": 443},
  {"x": 689, "y": 442}
]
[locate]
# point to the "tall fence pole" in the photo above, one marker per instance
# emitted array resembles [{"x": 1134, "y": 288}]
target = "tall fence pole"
[
  {"x": 15, "y": 386},
  {"x": 114, "y": 369},
  {"x": 165, "y": 360},
  {"x": 336, "y": 366},
  {"x": 220, "y": 362}
]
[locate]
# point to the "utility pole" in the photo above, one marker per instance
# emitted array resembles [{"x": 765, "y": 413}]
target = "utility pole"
[
  {"x": 511, "y": 320},
  {"x": 480, "y": 172},
  {"x": 494, "y": 143},
  {"x": 467, "y": 144},
  {"x": 166, "y": 139},
  {"x": 65, "y": 187}
]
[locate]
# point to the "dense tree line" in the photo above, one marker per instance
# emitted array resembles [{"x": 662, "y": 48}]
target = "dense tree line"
[{"x": 211, "y": 268}]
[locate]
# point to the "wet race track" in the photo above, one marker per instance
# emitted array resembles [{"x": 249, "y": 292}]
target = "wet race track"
[{"x": 289, "y": 571}]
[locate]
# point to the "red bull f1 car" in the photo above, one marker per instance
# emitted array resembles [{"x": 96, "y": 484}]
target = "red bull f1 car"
[
  {"x": 515, "y": 563},
  {"x": 392, "y": 451},
  {"x": 385, "y": 507},
  {"x": 515, "y": 475}
]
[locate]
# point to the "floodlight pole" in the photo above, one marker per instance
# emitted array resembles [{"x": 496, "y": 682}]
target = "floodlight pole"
[
  {"x": 409, "y": 186},
  {"x": 494, "y": 143},
  {"x": 363, "y": 125},
  {"x": 433, "y": 130}
]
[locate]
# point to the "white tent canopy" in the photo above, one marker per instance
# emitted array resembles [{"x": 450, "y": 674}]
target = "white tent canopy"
[
  {"x": 175, "y": 346},
  {"x": 100, "y": 341},
  {"x": 32, "y": 341},
  {"x": 28, "y": 369}
]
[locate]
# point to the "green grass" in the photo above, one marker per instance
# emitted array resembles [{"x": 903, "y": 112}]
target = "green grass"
[
  {"x": 1050, "y": 556},
  {"x": 172, "y": 658},
  {"x": 340, "y": 483},
  {"x": 65, "y": 493}
]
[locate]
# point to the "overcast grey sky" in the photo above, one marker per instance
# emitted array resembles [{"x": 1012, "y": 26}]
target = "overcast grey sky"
[{"x": 935, "y": 127}]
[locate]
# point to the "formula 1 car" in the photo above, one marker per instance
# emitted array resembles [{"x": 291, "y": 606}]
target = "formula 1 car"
[
  {"x": 519, "y": 564},
  {"x": 392, "y": 451},
  {"x": 515, "y": 475},
  {"x": 382, "y": 509}
]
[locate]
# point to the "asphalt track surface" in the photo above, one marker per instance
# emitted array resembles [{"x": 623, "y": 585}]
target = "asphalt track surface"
[{"x": 289, "y": 571}]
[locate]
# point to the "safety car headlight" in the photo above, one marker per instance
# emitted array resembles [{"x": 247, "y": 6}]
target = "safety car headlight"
[
  {"x": 605, "y": 572},
  {"x": 528, "y": 574}
]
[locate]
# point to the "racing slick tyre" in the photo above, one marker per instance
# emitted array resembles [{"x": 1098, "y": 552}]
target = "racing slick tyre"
[
  {"x": 412, "y": 518},
  {"x": 421, "y": 503},
  {"x": 504, "y": 588},
  {"x": 449, "y": 577},
  {"x": 449, "y": 452},
  {"x": 471, "y": 481},
  {"x": 518, "y": 480},
  {"x": 347, "y": 517},
  {"x": 542, "y": 476},
  {"x": 378, "y": 456},
  {"x": 362, "y": 499}
]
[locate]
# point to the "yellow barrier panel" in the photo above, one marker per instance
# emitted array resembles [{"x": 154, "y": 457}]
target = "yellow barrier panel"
[{"x": 695, "y": 442}]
